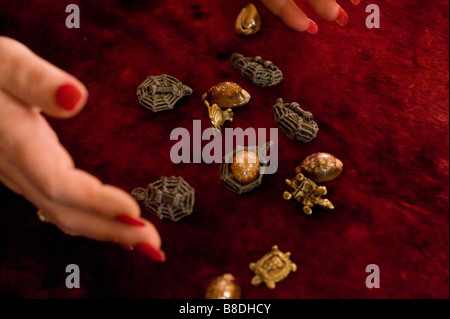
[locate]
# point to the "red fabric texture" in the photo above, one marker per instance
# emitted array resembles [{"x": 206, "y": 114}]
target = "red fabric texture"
[{"x": 380, "y": 97}]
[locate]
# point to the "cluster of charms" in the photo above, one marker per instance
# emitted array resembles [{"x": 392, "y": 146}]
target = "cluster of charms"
[
  {"x": 319, "y": 167},
  {"x": 242, "y": 169},
  {"x": 272, "y": 268},
  {"x": 221, "y": 99}
]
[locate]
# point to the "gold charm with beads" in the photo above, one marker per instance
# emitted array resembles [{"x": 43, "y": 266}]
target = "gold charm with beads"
[{"x": 307, "y": 193}]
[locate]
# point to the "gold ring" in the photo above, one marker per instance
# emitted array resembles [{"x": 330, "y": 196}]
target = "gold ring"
[{"x": 41, "y": 216}]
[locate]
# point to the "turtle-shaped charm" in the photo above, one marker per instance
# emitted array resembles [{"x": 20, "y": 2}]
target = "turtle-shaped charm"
[
  {"x": 161, "y": 93},
  {"x": 306, "y": 192},
  {"x": 256, "y": 70},
  {"x": 272, "y": 268},
  {"x": 296, "y": 123}
]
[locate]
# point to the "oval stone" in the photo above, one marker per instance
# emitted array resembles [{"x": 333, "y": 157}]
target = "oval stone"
[
  {"x": 224, "y": 287},
  {"x": 227, "y": 95},
  {"x": 245, "y": 167},
  {"x": 321, "y": 167}
]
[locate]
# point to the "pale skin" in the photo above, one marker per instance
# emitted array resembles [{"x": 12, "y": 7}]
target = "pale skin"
[
  {"x": 290, "y": 13},
  {"x": 34, "y": 164}
]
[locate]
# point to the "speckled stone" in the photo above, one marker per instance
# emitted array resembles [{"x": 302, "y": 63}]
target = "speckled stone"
[
  {"x": 227, "y": 95},
  {"x": 321, "y": 167},
  {"x": 224, "y": 287},
  {"x": 245, "y": 167}
]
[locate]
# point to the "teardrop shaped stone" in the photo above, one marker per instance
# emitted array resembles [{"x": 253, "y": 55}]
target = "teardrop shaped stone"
[
  {"x": 321, "y": 167},
  {"x": 248, "y": 21},
  {"x": 227, "y": 95}
]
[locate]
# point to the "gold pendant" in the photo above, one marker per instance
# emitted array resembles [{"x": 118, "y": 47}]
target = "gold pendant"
[
  {"x": 272, "y": 268},
  {"x": 218, "y": 116},
  {"x": 307, "y": 193},
  {"x": 248, "y": 21}
]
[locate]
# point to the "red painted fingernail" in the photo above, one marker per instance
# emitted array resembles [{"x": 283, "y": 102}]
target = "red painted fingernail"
[
  {"x": 126, "y": 247},
  {"x": 356, "y": 2},
  {"x": 68, "y": 96},
  {"x": 312, "y": 28},
  {"x": 129, "y": 220},
  {"x": 150, "y": 252},
  {"x": 342, "y": 18}
]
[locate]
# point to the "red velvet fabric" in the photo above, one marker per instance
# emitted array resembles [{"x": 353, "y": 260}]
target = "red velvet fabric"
[{"x": 380, "y": 97}]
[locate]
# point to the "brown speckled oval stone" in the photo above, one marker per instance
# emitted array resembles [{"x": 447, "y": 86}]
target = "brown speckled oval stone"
[
  {"x": 245, "y": 167},
  {"x": 321, "y": 167},
  {"x": 227, "y": 95},
  {"x": 224, "y": 287}
]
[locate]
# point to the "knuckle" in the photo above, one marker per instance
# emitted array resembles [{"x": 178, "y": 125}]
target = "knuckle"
[
  {"x": 65, "y": 224},
  {"x": 8, "y": 44},
  {"x": 15, "y": 55},
  {"x": 51, "y": 190}
]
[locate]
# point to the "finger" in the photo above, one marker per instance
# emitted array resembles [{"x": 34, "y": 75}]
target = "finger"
[
  {"x": 81, "y": 190},
  {"x": 35, "y": 81},
  {"x": 56, "y": 182},
  {"x": 21, "y": 121},
  {"x": 8, "y": 183},
  {"x": 76, "y": 223},
  {"x": 330, "y": 10},
  {"x": 291, "y": 15},
  {"x": 24, "y": 133},
  {"x": 51, "y": 174},
  {"x": 30, "y": 152}
]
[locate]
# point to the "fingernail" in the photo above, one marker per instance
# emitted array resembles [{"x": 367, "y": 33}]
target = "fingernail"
[
  {"x": 312, "y": 28},
  {"x": 356, "y": 2},
  {"x": 126, "y": 247},
  {"x": 68, "y": 96},
  {"x": 342, "y": 18},
  {"x": 129, "y": 220},
  {"x": 150, "y": 252}
]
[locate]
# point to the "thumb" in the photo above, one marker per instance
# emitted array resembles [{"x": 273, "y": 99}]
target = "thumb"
[{"x": 35, "y": 81}]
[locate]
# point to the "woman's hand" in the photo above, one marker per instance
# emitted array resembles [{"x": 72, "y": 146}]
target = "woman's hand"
[
  {"x": 297, "y": 20},
  {"x": 34, "y": 164}
]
